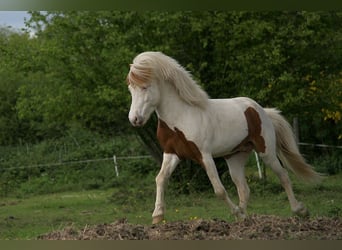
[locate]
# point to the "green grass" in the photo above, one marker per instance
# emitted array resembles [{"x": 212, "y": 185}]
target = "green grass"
[{"x": 26, "y": 218}]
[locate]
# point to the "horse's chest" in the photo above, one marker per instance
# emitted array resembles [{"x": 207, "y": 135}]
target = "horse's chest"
[{"x": 174, "y": 142}]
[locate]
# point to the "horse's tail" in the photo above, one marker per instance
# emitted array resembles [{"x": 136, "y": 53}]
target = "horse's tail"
[{"x": 287, "y": 149}]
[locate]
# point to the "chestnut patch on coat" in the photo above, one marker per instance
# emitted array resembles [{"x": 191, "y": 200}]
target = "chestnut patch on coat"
[
  {"x": 253, "y": 140},
  {"x": 254, "y": 129},
  {"x": 174, "y": 142}
]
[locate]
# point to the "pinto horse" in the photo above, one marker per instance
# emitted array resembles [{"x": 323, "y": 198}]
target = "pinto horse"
[{"x": 192, "y": 126}]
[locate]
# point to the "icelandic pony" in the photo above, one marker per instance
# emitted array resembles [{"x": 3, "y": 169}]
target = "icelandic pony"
[{"x": 192, "y": 126}]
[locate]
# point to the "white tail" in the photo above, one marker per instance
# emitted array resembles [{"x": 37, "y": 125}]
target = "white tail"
[{"x": 287, "y": 149}]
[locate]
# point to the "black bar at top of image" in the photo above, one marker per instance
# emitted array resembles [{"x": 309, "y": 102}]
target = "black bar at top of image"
[{"x": 143, "y": 5}]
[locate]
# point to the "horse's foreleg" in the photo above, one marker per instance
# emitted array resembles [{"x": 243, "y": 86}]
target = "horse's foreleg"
[
  {"x": 169, "y": 164},
  {"x": 236, "y": 164},
  {"x": 219, "y": 189}
]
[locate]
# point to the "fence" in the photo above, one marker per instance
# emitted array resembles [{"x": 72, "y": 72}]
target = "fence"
[
  {"x": 136, "y": 157},
  {"x": 114, "y": 159}
]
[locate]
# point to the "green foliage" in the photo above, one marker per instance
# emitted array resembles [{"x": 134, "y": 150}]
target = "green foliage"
[
  {"x": 74, "y": 69},
  {"x": 82, "y": 78},
  {"x": 13, "y": 50},
  {"x": 66, "y": 163},
  {"x": 330, "y": 163}
]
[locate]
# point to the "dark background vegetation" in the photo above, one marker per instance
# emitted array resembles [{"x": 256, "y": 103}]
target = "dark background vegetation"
[{"x": 63, "y": 95}]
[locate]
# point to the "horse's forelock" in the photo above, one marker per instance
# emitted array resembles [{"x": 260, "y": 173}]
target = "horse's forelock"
[{"x": 139, "y": 74}]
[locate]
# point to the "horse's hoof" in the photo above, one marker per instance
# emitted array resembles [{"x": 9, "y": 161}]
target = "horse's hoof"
[
  {"x": 157, "y": 219},
  {"x": 302, "y": 211},
  {"x": 239, "y": 214}
]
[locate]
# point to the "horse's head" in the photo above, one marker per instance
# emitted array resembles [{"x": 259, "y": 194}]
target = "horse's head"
[
  {"x": 147, "y": 80},
  {"x": 144, "y": 92}
]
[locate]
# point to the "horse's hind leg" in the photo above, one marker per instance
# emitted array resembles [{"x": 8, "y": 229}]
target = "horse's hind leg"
[
  {"x": 236, "y": 164},
  {"x": 296, "y": 206}
]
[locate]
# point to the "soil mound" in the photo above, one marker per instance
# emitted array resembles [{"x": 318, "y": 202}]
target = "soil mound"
[{"x": 255, "y": 227}]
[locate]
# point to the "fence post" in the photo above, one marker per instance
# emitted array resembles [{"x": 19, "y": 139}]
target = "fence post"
[{"x": 116, "y": 166}]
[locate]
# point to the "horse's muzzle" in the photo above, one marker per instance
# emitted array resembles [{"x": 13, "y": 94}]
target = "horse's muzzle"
[{"x": 137, "y": 121}]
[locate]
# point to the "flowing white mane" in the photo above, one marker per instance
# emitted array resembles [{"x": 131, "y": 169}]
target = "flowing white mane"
[{"x": 155, "y": 64}]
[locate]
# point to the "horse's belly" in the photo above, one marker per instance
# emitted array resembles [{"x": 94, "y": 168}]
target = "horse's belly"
[{"x": 226, "y": 147}]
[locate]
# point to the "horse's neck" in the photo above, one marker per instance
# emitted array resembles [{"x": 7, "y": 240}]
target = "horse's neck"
[{"x": 172, "y": 109}]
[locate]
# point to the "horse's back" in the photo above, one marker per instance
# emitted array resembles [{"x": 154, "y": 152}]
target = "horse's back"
[{"x": 233, "y": 108}]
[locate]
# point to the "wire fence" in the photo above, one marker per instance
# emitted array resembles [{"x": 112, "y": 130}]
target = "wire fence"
[
  {"x": 64, "y": 163},
  {"x": 137, "y": 157},
  {"x": 319, "y": 145}
]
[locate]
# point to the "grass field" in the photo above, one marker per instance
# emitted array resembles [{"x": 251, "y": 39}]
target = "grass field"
[{"x": 26, "y": 218}]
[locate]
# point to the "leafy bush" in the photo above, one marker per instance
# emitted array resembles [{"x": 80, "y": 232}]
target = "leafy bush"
[
  {"x": 330, "y": 163},
  {"x": 79, "y": 160}
]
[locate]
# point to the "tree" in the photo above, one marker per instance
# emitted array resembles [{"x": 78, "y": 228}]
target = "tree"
[
  {"x": 14, "y": 49},
  {"x": 84, "y": 73},
  {"x": 75, "y": 69}
]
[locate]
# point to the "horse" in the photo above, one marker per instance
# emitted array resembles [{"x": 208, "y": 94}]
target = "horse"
[{"x": 193, "y": 126}]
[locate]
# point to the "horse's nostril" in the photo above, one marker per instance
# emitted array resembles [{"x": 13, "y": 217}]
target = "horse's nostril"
[{"x": 138, "y": 121}]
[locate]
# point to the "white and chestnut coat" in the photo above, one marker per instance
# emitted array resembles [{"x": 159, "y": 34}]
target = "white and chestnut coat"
[{"x": 195, "y": 127}]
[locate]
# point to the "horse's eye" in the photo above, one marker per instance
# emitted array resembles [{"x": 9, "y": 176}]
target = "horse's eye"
[{"x": 144, "y": 88}]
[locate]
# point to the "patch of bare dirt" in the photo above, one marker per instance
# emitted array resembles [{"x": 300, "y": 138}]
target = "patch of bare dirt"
[{"x": 255, "y": 227}]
